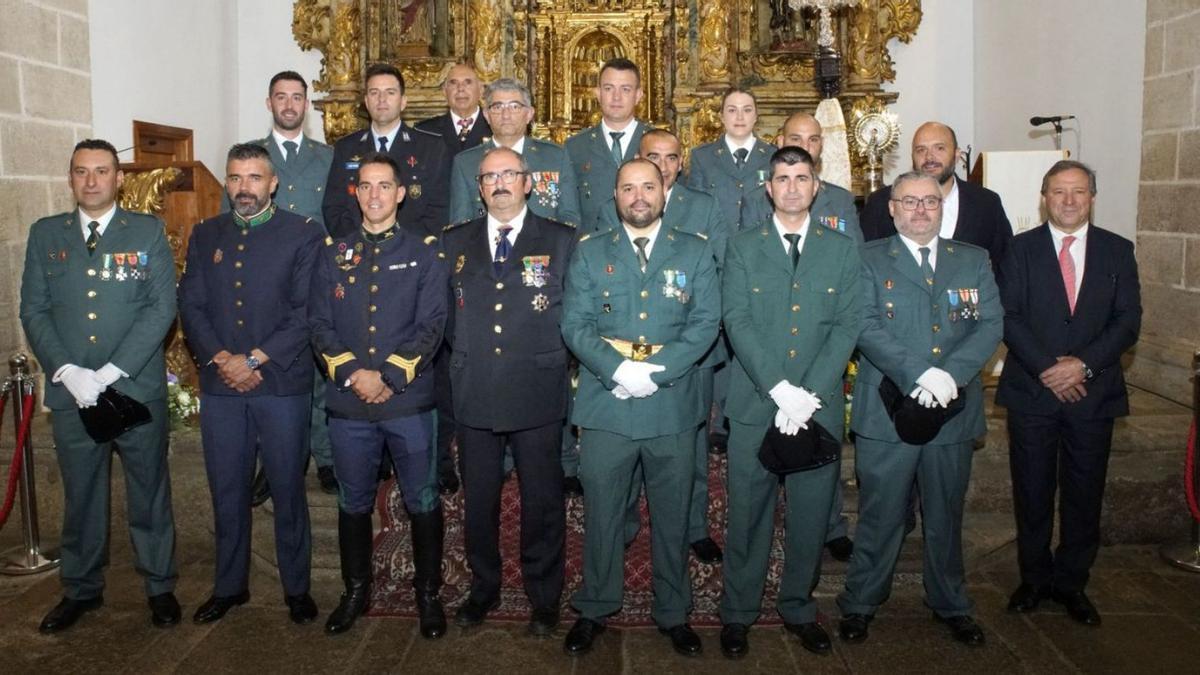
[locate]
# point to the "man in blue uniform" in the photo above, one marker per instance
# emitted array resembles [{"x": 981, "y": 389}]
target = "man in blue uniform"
[
  {"x": 97, "y": 299},
  {"x": 377, "y": 312},
  {"x": 243, "y": 302},
  {"x": 462, "y": 126}
]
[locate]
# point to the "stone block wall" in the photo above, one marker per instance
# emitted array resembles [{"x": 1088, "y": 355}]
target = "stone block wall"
[
  {"x": 1168, "y": 230},
  {"x": 45, "y": 108}
]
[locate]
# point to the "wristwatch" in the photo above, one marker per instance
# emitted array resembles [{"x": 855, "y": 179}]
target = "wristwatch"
[
  {"x": 1087, "y": 372},
  {"x": 252, "y": 362}
]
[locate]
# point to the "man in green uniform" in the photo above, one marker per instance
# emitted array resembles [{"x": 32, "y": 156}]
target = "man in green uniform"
[
  {"x": 641, "y": 310},
  {"x": 97, "y": 299},
  {"x": 791, "y": 310},
  {"x": 931, "y": 319}
]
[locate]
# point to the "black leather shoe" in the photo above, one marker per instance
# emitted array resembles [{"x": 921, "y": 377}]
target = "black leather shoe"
[
  {"x": 581, "y": 636},
  {"x": 735, "y": 640},
  {"x": 447, "y": 482},
  {"x": 327, "y": 479},
  {"x": 1026, "y": 598},
  {"x": 472, "y": 612},
  {"x": 260, "y": 490},
  {"x": 707, "y": 551},
  {"x": 572, "y": 487},
  {"x": 164, "y": 609},
  {"x": 853, "y": 627},
  {"x": 812, "y": 636},
  {"x": 841, "y": 548},
  {"x": 1078, "y": 607},
  {"x": 67, "y": 612},
  {"x": 964, "y": 629},
  {"x": 301, "y": 608},
  {"x": 683, "y": 639},
  {"x": 543, "y": 621},
  {"x": 216, "y": 606},
  {"x": 354, "y": 603}
]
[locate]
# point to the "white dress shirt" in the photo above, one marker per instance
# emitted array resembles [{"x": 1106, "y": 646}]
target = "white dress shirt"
[
  {"x": 650, "y": 233},
  {"x": 104, "y": 220},
  {"x": 733, "y": 146},
  {"x": 493, "y": 228},
  {"x": 803, "y": 232},
  {"x": 1078, "y": 250},
  {"x": 390, "y": 136},
  {"x": 915, "y": 249},
  {"x": 298, "y": 140},
  {"x": 949, "y": 212},
  {"x": 624, "y": 140},
  {"x": 455, "y": 119}
]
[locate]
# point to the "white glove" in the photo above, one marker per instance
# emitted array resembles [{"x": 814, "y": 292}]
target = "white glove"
[
  {"x": 621, "y": 393},
  {"x": 787, "y": 425},
  {"x": 923, "y": 396},
  {"x": 795, "y": 402},
  {"x": 635, "y": 377},
  {"x": 108, "y": 374},
  {"x": 82, "y": 384},
  {"x": 939, "y": 383}
]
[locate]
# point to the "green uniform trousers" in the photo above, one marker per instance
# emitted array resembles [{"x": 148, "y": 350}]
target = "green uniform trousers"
[
  {"x": 607, "y": 467},
  {"x": 753, "y": 492},
  {"x": 885, "y": 473},
  {"x": 86, "y": 468}
]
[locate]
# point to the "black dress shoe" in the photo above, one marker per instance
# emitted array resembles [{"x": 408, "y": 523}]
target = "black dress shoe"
[
  {"x": 964, "y": 629},
  {"x": 1026, "y": 598},
  {"x": 301, "y": 608},
  {"x": 683, "y": 639},
  {"x": 260, "y": 490},
  {"x": 735, "y": 640},
  {"x": 543, "y": 621},
  {"x": 581, "y": 636},
  {"x": 707, "y": 551},
  {"x": 812, "y": 636},
  {"x": 853, "y": 627},
  {"x": 572, "y": 487},
  {"x": 473, "y": 612},
  {"x": 164, "y": 609},
  {"x": 1078, "y": 607},
  {"x": 841, "y": 548},
  {"x": 217, "y": 605},
  {"x": 447, "y": 482},
  {"x": 327, "y": 479},
  {"x": 67, "y": 612}
]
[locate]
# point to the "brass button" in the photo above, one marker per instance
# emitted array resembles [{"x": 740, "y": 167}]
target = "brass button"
[
  {"x": 374, "y": 268},
  {"x": 791, "y": 353},
  {"x": 642, "y": 339},
  {"x": 605, "y": 294},
  {"x": 497, "y": 351},
  {"x": 499, "y": 285},
  {"x": 376, "y": 250},
  {"x": 245, "y": 231},
  {"x": 91, "y": 273},
  {"x": 937, "y": 350},
  {"x": 91, "y": 294},
  {"x": 795, "y": 331},
  {"x": 291, "y": 187},
  {"x": 241, "y": 247},
  {"x": 92, "y": 316},
  {"x": 291, "y": 207},
  {"x": 497, "y": 328},
  {"x": 370, "y": 350},
  {"x": 374, "y": 288},
  {"x": 795, "y": 308},
  {"x": 238, "y": 264},
  {"x": 829, "y": 290},
  {"x": 238, "y": 303},
  {"x": 643, "y": 316},
  {"x": 92, "y": 339},
  {"x": 645, "y": 294},
  {"x": 796, "y": 286},
  {"x": 237, "y": 284},
  {"x": 936, "y": 328},
  {"x": 499, "y": 307},
  {"x": 373, "y": 308},
  {"x": 371, "y": 329},
  {"x": 241, "y": 323}
]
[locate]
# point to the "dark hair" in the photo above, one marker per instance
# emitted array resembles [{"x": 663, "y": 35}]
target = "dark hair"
[
  {"x": 244, "y": 151},
  {"x": 639, "y": 160},
  {"x": 792, "y": 155},
  {"x": 384, "y": 69},
  {"x": 738, "y": 90},
  {"x": 1064, "y": 165},
  {"x": 621, "y": 63},
  {"x": 97, "y": 144},
  {"x": 913, "y": 177},
  {"x": 381, "y": 158},
  {"x": 287, "y": 75}
]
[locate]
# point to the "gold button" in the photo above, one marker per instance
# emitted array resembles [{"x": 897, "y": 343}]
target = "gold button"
[
  {"x": 499, "y": 307},
  {"x": 937, "y": 350},
  {"x": 371, "y": 329},
  {"x": 795, "y": 308},
  {"x": 241, "y": 323},
  {"x": 370, "y": 350},
  {"x": 245, "y": 231},
  {"x": 291, "y": 207},
  {"x": 91, "y": 294},
  {"x": 238, "y": 303},
  {"x": 642, "y": 339},
  {"x": 796, "y": 285},
  {"x": 374, "y": 268},
  {"x": 91, "y": 273},
  {"x": 936, "y": 328},
  {"x": 238, "y": 264},
  {"x": 791, "y": 353},
  {"x": 374, "y": 288},
  {"x": 499, "y": 285},
  {"x": 642, "y": 316},
  {"x": 92, "y": 339},
  {"x": 829, "y": 290},
  {"x": 241, "y": 247},
  {"x": 376, "y": 250},
  {"x": 497, "y": 328},
  {"x": 237, "y": 284},
  {"x": 373, "y": 308},
  {"x": 291, "y": 187},
  {"x": 795, "y": 331},
  {"x": 605, "y": 294},
  {"x": 645, "y": 294},
  {"x": 497, "y": 351},
  {"x": 92, "y": 316}
]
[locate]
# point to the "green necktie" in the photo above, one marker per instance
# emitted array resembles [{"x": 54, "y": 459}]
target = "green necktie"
[
  {"x": 926, "y": 268},
  {"x": 93, "y": 238},
  {"x": 793, "y": 248},
  {"x": 643, "y": 259},
  {"x": 618, "y": 157},
  {"x": 741, "y": 154},
  {"x": 289, "y": 151}
]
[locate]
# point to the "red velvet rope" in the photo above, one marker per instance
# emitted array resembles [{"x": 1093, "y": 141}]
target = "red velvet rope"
[
  {"x": 1189, "y": 473},
  {"x": 14, "y": 470}
]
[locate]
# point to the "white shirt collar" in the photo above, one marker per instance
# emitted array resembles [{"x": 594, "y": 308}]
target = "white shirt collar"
[
  {"x": 391, "y": 137},
  {"x": 915, "y": 249},
  {"x": 298, "y": 140},
  {"x": 1058, "y": 235},
  {"x": 803, "y": 232},
  {"x": 455, "y": 117},
  {"x": 950, "y": 212},
  {"x": 518, "y": 147},
  {"x": 104, "y": 220},
  {"x": 624, "y": 140},
  {"x": 733, "y": 146},
  {"x": 493, "y": 228},
  {"x": 651, "y": 234}
]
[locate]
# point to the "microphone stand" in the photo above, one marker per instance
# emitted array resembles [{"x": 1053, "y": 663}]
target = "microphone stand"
[{"x": 1057, "y": 134}]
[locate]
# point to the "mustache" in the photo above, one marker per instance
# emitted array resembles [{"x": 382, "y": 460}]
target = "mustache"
[
  {"x": 246, "y": 195},
  {"x": 501, "y": 191}
]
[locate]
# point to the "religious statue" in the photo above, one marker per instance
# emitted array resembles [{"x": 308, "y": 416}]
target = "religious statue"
[{"x": 714, "y": 41}]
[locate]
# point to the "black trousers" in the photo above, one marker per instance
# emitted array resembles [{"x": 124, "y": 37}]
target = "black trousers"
[
  {"x": 446, "y": 427},
  {"x": 543, "y": 515},
  {"x": 1049, "y": 453}
]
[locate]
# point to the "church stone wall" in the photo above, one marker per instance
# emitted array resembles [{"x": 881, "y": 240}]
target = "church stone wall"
[{"x": 45, "y": 108}]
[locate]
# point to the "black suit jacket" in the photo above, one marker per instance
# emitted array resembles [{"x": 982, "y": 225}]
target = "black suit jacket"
[
  {"x": 508, "y": 367},
  {"x": 981, "y": 219},
  {"x": 424, "y": 173},
  {"x": 1038, "y": 325},
  {"x": 443, "y": 126}
]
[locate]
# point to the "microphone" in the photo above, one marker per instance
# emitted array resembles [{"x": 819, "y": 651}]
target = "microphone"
[{"x": 1038, "y": 121}]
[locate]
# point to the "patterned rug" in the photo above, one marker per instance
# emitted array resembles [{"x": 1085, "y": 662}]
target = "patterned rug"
[{"x": 393, "y": 567}]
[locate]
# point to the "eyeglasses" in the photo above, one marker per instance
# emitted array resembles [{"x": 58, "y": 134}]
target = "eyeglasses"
[
  {"x": 510, "y": 106},
  {"x": 910, "y": 203},
  {"x": 508, "y": 176}
]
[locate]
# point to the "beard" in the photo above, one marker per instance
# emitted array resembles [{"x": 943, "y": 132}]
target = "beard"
[
  {"x": 247, "y": 204},
  {"x": 638, "y": 221}
]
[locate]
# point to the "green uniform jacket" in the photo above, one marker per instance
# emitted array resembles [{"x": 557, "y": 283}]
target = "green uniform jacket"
[
  {"x": 301, "y": 181},
  {"x": 75, "y": 310},
  {"x": 714, "y": 171},
  {"x": 592, "y": 159},
  {"x": 909, "y": 326},
  {"x": 689, "y": 210},
  {"x": 833, "y": 207},
  {"x": 553, "y": 196},
  {"x": 796, "y": 325},
  {"x": 607, "y": 296}
]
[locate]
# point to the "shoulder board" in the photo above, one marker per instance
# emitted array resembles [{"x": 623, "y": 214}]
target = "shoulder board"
[
  {"x": 427, "y": 132},
  {"x": 329, "y": 241},
  {"x": 560, "y": 223},
  {"x": 451, "y": 226},
  {"x": 430, "y": 240},
  {"x": 690, "y": 234}
]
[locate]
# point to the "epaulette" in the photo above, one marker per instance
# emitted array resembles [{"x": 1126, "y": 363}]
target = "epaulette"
[
  {"x": 451, "y": 226},
  {"x": 702, "y": 237},
  {"x": 328, "y": 241},
  {"x": 427, "y": 132}
]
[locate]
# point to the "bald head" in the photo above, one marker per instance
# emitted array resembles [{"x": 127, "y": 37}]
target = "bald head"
[
  {"x": 935, "y": 151},
  {"x": 803, "y": 131},
  {"x": 462, "y": 89}
]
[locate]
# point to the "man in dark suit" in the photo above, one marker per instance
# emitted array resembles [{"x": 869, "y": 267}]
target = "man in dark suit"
[
  {"x": 508, "y": 371},
  {"x": 1072, "y": 307},
  {"x": 243, "y": 301},
  {"x": 971, "y": 213},
  {"x": 421, "y": 156},
  {"x": 97, "y": 299},
  {"x": 463, "y": 125}
]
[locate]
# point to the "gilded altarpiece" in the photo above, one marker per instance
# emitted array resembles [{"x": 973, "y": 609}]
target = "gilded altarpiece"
[{"x": 688, "y": 52}]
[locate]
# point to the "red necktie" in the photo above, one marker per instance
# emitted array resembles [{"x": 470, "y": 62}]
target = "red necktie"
[
  {"x": 1066, "y": 264},
  {"x": 464, "y": 128}
]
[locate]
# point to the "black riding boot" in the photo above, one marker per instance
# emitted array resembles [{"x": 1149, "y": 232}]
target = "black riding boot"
[
  {"x": 354, "y": 545},
  {"x": 427, "y": 578}
]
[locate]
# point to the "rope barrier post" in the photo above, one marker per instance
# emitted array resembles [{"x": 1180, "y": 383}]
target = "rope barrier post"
[
  {"x": 1187, "y": 556},
  {"x": 29, "y": 558}
]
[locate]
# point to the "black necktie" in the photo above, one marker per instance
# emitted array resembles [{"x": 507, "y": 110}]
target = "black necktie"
[
  {"x": 289, "y": 151},
  {"x": 94, "y": 237},
  {"x": 503, "y": 249},
  {"x": 618, "y": 157},
  {"x": 643, "y": 259},
  {"x": 383, "y": 144},
  {"x": 926, "y": 268},
  {"x": 793, "y": 248},
  {"x": 741, "y": 154}
]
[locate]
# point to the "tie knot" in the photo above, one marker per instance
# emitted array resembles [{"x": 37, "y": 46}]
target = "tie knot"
[
  {"x": 1067, "y": 241},
  {"x": 94, "y": 227},
  {"x": 465, "y": 122},
  {"x": 504, "y": 230},
  {"x": 641, "y": 242},
  {"x": 792, "y": 238},
  {"x": 289, "y": 146},
  {"x": 616, "y": 135},
  {"x": 924, "y": 250},
  {"x": 741, "y": 153}
]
